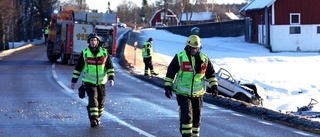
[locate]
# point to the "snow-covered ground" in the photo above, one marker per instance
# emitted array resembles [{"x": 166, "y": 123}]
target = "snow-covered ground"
[
  {"x": 20, "y": 45},
  {"x": 291, "y": 78}
]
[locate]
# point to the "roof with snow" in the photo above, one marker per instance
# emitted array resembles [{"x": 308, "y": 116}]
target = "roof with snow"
[
  {"x": 257, "y": 4},
  {"x": 198, "y": 16},
  {"x": 231, "y": 15}
]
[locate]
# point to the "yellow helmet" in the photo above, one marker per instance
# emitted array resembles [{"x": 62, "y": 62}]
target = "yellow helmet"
[{"x": 194, "y": 41}]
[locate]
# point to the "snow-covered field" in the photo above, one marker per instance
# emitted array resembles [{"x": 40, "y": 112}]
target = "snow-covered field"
[{"x": 291, "y": 78}]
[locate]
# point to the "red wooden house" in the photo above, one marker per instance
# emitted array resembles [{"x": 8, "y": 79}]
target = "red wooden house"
[
  {"x": 159, "y": 16},
  {"x": 285, "y": 25}
]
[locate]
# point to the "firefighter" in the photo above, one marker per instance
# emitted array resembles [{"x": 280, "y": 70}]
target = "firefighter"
[
  {"x": 96, "y": 67},
  {"x": 46, "y": 32},
  {"x": 147, "y": 52},
  {"x": 185, "y": 76}
]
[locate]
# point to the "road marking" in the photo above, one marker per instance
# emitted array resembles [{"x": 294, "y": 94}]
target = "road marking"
[
  {"x": 155, "y": 87},
  {"x": 105, "y": 113},
  {"x": 55, "y": 76},
  {"x": 148, "y": 84},
  {"x": 264, "y": 122},
  {"x": 302, "y": 133},
  {"x": 65, "y": 87},
  {"x": 236, "y": 114}
]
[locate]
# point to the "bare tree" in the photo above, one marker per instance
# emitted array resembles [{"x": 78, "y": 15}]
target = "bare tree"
[
  {"x": 128, "y": 12},
  {"x": 9, "y": 12},
  {"x": 78, "y": 4}
]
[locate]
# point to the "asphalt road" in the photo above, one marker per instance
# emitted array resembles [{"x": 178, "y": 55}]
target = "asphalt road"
[{"x": 36, "y": 101}]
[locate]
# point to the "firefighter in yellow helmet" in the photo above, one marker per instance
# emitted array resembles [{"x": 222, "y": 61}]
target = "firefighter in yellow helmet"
[
  {"x": 186, "y": 77},
  {"x": 96, "y": 67}
]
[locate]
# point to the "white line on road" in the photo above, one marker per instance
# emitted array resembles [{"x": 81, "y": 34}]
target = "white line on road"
[
  {"x": 236, "y": 114},
  {"x": 55, "y": 76},
  {"x": 302, "y": 133},
  {"x": 65, "y": 87},
  {"x": 264, "y": 122}
]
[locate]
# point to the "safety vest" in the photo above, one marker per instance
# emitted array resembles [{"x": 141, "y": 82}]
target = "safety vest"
[
  {"x": 147, "y": 45},
  {"x": 94, "y": 67},
  {"x": 188, "y": 82},
  {"x": 46, "y": 31}
]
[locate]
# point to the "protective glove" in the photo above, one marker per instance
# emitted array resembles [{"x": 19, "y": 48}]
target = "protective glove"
[
  {"x": 81, "y": 91},
  {"x": 168, "y": 91},
  {"x": 214, "y": 90}
]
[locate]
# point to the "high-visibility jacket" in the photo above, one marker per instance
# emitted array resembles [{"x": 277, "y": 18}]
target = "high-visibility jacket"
[
  {"x": 147, "y": 50},
  {"x": 94, "y": 68},
  {"x": 187, "y": 81},
  {"x": 46, "y": 31}
]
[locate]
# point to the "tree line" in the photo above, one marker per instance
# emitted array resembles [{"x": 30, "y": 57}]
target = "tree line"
[
  {"x": 131, "y": 13},
  {"x": 24, "y": 20}
]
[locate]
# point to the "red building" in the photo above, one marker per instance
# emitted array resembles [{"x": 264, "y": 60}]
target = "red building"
[
  {"x": 159, "y": 16},
  {"x": 285, "y": 25}
]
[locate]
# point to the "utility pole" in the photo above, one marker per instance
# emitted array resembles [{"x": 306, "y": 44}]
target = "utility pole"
[{"x": 108, "y": 11}]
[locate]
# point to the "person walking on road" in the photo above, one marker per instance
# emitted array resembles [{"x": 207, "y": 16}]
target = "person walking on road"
[
  {"x": 185, "y": 76},
  {"x": 96, "y": 67},
  {"x": 147, "y": 52}
]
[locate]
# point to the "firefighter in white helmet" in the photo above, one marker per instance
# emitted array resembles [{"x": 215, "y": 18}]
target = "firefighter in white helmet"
[{"x": 96, "y": 67}]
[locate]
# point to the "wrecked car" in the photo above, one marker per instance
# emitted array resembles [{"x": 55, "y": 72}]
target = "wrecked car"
[
  {"x": 230, "y": 87},
  {"x": 307, "y": 110}
]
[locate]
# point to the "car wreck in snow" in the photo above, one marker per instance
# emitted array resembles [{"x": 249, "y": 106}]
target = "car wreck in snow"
[
  {"x": 307, "y": 110},
  {"x": 230, "y": 87}
]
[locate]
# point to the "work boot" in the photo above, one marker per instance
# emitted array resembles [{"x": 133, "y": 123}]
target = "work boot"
[
  {"x": 154, "y": 73},
  {"x": 98, "y": 121},
  {"x": 145, "y": 74},
  {"x": 93, "y": 123}
]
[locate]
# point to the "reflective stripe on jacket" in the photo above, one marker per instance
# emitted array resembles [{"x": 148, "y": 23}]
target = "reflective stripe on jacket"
[
  {"x": 94, "y": 68},
  {"x": 147, "y": 50},
  {"x": 188, "y": 82}
]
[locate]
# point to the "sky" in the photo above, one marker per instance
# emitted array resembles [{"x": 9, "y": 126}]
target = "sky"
[
  {"x": 102, "y": 5},
  {"x": 291, "y": 78}
]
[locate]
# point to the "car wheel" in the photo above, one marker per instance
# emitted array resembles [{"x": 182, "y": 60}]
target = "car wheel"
[
  {"x": 243, "y": 98},
  {"x": 256, "y": 101}
]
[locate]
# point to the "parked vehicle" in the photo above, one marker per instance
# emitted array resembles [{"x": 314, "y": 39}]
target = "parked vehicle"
[
  {"x": 69, "y": 31},
  {"x": 230, "y": 87},
  {"x": 160, "y": 25},
  {"x": 122, "y": 25}
]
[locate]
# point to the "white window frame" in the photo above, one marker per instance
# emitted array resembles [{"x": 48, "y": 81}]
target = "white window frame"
[{"x": 299, "y": 18}]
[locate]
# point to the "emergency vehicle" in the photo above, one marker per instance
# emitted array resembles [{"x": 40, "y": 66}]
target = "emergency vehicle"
[{"x": 69, "y": 30}]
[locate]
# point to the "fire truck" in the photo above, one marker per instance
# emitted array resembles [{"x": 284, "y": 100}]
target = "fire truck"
[{"x": 69, "y": 30}]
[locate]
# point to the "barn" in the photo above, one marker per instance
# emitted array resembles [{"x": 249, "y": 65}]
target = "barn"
[
  {"x": 158, "y": 17},
  {"x": 284, "y": 25}
]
